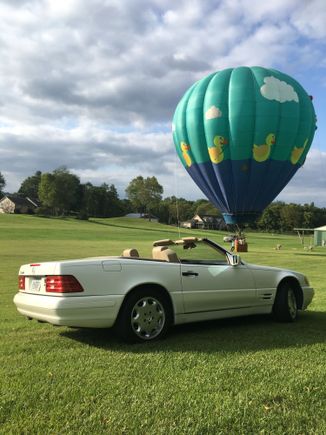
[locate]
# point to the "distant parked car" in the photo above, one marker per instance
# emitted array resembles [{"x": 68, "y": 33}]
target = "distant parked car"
[{"x": 196, "y": 280}]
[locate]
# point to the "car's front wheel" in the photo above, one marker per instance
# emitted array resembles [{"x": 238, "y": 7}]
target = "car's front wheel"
[
  {"x": 144, "y": 316},
  {"x": 285, "y": 307}
]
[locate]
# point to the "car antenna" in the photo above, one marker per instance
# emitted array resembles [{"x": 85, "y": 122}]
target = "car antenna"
[{"x": 176, "y": 193}]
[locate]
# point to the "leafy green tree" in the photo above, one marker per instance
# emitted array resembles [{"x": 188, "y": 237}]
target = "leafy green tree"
[
  {"x": 270, "y": 220},
  {"x": 30, "y": 186},
  {"x": 126, "y": 206},
  {"x": 113, "y": 204},
  {"x": 2, "y": 184},
  {"x": 174, "y": 210},
  {"x": 291, "y": 216},
  {"x": 102, "y": 201},
  {"x": 319, "y": 218},
  {"x": 204, "y": 207},
  {"x": 59, "y": 190},
  {"x": 308, "y": 218},
  {"x": 145, "y": 194},
  {"x": 313, "y": 216},
  {"x": 136, "y": 193},
  {"x": 47, "y": 191}
]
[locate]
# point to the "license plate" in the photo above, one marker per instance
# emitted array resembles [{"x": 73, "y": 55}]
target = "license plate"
[{"x": 36, "y": 285}]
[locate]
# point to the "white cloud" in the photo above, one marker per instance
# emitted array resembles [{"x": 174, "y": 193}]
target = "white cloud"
[
  {"x": 213, "y": 112},
  {"x": 265, "y": 44},
  {"x": 310, "y": 18},
  {"x": 275, "y": 89},
  {"x": 61, "y": 9},
  {"x": 273, "y": 11},
  {"x": 308, "y": 184}
]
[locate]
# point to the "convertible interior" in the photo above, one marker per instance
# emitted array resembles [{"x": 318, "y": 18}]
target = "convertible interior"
[{"x": 162, "y": 252}]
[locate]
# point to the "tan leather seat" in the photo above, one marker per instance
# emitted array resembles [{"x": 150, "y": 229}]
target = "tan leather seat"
[
  {"x": 170, "y": 255},
  {"x": 130, "y": 253},
  {"x": 157, "y": 252},
  {"x": 165, "y": 254}
]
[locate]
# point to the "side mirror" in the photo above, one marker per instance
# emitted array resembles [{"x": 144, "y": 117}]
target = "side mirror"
[{"x": 234, "y": 260}]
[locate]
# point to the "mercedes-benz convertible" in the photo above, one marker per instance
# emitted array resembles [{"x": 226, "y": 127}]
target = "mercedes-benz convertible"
[{"x": 186, "y": 280}]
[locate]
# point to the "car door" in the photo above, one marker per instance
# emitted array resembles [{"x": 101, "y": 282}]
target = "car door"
[
  {"x": 217, "y": 287},
  {"x": 213, "y": 284}
]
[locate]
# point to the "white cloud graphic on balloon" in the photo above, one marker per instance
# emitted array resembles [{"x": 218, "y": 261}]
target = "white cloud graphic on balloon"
[
  {"x": 275, "y": 89},
  {"x": 213, "y": 112}
]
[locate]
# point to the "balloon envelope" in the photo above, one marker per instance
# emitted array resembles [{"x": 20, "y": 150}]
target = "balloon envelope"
[{"x": 242, "y": 134}]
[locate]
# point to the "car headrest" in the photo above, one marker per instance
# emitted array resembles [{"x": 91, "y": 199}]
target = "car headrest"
[
  {"x": 130, "y": 253},
  {"x": 165, "y": 254}
]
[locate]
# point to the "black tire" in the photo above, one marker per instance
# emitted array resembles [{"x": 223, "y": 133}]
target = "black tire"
[
  {"x": 144, "y": 316},
  {"x": 285, "y": 307}
]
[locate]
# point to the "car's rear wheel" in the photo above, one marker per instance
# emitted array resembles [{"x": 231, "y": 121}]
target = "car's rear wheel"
[
  {"x": 144, "y": 316},
  {"x": 285, "y": 307}
]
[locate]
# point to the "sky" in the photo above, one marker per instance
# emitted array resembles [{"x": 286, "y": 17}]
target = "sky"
[{"x": 93, "y": 85}]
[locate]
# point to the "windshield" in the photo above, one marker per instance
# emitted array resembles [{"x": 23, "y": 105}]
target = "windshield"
[{"x": 200, "y": 253}]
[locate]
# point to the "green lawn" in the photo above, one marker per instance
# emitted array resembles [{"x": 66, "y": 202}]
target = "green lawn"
[{"x": 243, "y": 376}]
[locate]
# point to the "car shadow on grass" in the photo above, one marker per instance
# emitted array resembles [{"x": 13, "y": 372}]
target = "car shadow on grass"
[{"x": 242, "y": 334}]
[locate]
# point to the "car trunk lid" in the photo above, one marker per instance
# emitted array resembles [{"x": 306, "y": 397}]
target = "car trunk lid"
[{"x": 32, "y": 276}]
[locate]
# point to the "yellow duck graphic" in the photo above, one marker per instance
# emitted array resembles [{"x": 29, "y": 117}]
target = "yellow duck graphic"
[
  {"x": 216, "y": 153},
  {"x": 262, "y": 152},
  {"x": 185, "y": 148},
  {"x": 297, "y": 153}
]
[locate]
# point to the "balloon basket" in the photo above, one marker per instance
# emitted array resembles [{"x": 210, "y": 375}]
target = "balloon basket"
[
  {"x": 242, "y": 248},
  {"x": 240, "y": 245}
]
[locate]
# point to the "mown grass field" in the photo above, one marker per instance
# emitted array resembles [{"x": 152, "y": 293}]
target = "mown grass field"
[{"x": 243, "y": 376}]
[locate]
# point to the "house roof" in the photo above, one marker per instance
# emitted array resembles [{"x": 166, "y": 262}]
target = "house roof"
[
  {"x": 34, "y": 201},
  {"x": 208, "y": 217},
  {"x": 20, "y": 201},
  {"x": 321, "y": 228}
]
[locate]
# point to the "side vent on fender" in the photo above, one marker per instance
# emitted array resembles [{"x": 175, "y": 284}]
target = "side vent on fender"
[{"x": 266, "y": 296}]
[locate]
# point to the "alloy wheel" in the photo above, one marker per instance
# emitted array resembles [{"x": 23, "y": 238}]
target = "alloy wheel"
[
  {"x": 292, "y": 304},
  {"x": 148, "y": 318}
]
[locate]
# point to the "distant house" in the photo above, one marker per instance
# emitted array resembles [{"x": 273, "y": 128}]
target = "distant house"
[
  {"x": 320, "y": 236},
  {"x": 205, "y": 222},
  {"x": 17, "y": 204}
]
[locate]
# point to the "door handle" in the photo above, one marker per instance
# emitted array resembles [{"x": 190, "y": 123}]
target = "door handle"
[{"x": 189, "y": 273}]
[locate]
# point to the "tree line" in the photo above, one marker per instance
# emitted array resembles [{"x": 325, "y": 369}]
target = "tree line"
[
  {"x": 61, "y": 193},
  {"x": 282, "y": 217}
]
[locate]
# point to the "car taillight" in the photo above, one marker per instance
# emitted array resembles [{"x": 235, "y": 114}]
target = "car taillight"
[
  {"x": 21, "y": 282},
  {"x": 62, "y": 284}
]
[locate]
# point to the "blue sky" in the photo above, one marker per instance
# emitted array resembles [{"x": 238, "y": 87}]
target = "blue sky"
[{"x": 93, "y": 85}]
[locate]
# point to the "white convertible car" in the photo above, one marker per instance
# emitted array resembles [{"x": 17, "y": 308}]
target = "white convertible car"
[{"x": 186, "y": 280}]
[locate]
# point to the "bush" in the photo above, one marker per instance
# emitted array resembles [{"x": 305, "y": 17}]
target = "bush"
[
  {"x": 43, "y": 211},
  {"x": 82, "y": 215}
]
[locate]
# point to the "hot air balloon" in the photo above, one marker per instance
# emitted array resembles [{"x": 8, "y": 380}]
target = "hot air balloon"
[{"x": 242, "y": 134}]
